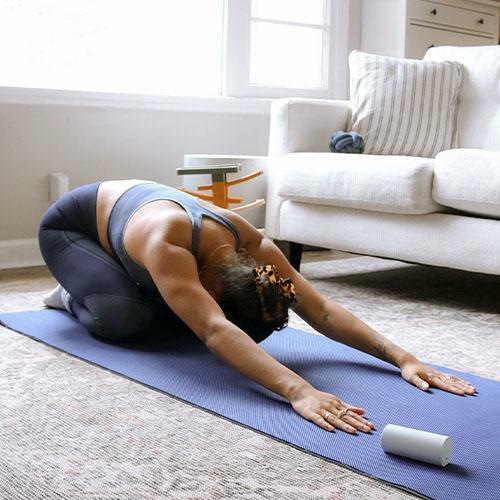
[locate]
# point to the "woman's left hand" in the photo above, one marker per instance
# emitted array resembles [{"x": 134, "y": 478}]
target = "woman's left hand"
[{"x": 424, "y": 376}]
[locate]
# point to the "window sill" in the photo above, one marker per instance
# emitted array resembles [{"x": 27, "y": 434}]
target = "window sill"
[{"x": 42, "y": 97}]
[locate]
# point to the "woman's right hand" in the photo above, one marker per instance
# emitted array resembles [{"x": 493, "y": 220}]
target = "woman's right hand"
[{"x": 322, "y": 408}]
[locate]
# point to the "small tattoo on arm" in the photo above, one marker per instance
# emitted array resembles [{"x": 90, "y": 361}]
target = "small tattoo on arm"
[
  {"x": 381, "y": 347},
  {"x": 326, "y": 317}
]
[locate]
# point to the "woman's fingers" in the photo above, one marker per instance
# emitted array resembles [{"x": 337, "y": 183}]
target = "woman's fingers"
[
  {"x": 356, "y": 409},
  {"x": 337, "y": 422},
  {"x": 358, "y": 424},
  {"x": 329, "y": 412},
  {"x": 463, "y": 384},
  {"x": 322, "y": 422},
  {"x": 419, "y": 382},
  {"x": 446, "y": 383},
  {"x": 460, "y": 384},
  {"x": 362, "y": 420},
  {"x": 355, "y": 413},
  {"x": 447, "y": 386},
  {"x": 349, "y": 422}
]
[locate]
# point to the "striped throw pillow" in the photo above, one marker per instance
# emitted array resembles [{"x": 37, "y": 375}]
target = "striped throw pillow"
[{"x": 403, "y": 106}]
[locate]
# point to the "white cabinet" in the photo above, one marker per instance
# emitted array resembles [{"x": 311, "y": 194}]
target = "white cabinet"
[{"x": 407, "y": 28}]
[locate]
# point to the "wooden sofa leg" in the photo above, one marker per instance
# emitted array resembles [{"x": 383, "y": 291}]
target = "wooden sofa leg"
[{"x": 292, "y": 251}]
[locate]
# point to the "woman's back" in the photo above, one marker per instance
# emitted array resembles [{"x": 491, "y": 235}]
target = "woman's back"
[
  {"x": 178, "y": 222},
  {"x": 107, "y": 195}
]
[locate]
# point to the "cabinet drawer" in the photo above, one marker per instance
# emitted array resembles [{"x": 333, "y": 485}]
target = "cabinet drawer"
[
  {"x": 421, "y": 38},
  {"x": 456, "y": 17}
]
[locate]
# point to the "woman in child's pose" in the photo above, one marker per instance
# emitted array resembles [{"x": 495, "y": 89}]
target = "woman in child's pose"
[{"x": 134, "y": 256}]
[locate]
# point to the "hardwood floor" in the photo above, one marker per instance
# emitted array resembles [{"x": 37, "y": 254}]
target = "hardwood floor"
[{"x": 26, "y": 279}]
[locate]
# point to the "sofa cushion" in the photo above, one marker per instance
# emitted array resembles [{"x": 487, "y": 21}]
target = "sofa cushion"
[
  {"x": 469, "y": 180},
  {"x": 478, "y": 121},
  {"x": 394, "y": 184},
  {"x": 403, "y": 106}
]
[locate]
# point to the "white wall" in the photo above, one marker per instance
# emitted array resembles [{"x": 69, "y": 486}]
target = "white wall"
[{"x": 97, "y": 143}]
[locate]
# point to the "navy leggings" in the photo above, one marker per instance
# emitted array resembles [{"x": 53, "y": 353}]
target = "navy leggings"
[{"x": 104, "y": 297}]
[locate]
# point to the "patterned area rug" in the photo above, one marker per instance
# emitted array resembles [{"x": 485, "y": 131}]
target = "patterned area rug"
[{"x": 74, "y": 430}]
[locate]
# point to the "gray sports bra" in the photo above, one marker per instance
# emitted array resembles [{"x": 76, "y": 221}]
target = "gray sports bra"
[{"x": 139, "y": 195}]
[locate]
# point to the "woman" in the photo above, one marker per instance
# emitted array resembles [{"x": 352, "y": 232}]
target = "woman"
[{"x": 134, "y": 256}]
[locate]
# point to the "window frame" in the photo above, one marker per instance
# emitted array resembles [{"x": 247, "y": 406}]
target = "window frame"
[{"x": 236, "y": 60}]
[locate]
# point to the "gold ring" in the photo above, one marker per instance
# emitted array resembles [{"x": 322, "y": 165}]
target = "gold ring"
[
  {"x": 327, "y": 415},
  {"x": 341, "y": 413}
]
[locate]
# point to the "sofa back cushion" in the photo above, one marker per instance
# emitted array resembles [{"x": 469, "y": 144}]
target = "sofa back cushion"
[
  {"x": 403, "y": 106},
  {"x": 478, "y": 123}
]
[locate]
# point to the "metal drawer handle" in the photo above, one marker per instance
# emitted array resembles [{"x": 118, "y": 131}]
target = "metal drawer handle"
[
  {"x": 480, "y": 21},
  {"x": 434, "y": 12}
]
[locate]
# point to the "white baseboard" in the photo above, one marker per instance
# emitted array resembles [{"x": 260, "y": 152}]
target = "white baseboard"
[{"x": 20, "y": 253}]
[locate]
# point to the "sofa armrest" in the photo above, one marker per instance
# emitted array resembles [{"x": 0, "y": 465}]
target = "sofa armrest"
[{"x": 299, "y": 124}]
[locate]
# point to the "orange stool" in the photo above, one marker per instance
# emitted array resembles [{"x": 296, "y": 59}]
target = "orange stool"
[{"x": 220, "y": 185}]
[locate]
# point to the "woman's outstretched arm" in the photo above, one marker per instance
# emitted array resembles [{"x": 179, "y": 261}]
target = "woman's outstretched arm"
[
  {"x": 174, "y": 271},
  {"x": 337, "y": 323}
]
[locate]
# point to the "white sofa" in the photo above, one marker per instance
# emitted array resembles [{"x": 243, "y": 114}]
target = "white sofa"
[{"x": 442, "y": 211}]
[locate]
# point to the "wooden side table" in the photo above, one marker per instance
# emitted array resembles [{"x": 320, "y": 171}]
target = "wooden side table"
[{"x": 251, "y": 190}]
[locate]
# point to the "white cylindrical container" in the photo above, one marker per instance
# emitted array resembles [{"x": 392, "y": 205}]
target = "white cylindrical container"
[
  {"x": 419, "y": 445},
  {"x": 250, "y": 190}
]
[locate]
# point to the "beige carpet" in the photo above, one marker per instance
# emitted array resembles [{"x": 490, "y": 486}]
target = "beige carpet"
[{"x": 76, "y": 431}]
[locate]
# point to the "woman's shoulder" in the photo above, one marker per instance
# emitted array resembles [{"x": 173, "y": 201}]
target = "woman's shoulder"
[
  {"x": 249, "y": 234},
  {"x": 117, "y": 184}
]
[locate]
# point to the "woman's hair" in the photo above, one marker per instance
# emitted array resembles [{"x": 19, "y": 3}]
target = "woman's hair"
[{"x": 243, "y": 304}]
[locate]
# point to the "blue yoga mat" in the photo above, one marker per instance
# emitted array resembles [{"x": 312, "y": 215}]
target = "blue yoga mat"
[{"x": 183, "y": 367}]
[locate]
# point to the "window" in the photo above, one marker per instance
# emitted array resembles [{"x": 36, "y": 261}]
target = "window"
[
  {"x": 166, "y": 47},
  {"x": 279, "y": 47},
  {"x": 251, "y": 48},
  {"x": 288, "y": 43}
]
